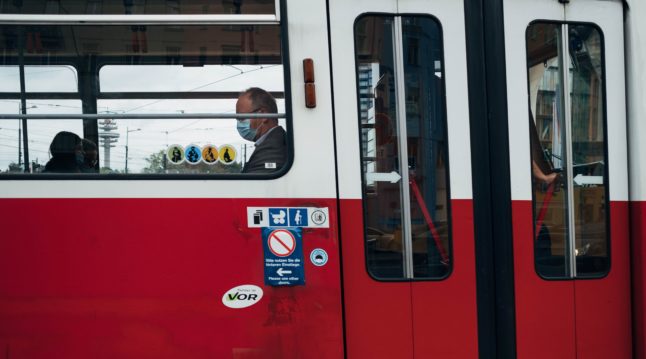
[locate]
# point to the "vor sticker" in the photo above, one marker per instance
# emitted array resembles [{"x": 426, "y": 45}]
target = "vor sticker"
[{"x": 242, "y": 296}]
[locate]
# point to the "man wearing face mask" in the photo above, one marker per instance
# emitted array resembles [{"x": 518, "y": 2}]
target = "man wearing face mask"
[{"x": 270, "y": 151}]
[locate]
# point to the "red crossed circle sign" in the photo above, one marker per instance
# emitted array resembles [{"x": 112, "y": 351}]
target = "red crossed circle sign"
[{"x": 281, "y": 242}]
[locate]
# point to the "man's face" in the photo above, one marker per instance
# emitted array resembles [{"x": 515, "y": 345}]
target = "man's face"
[{"x": 244, "y": 105}]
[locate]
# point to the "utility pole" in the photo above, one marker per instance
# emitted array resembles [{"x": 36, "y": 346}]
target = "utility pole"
[
  {"x": 19, "y": 143},
  {"x": 127, "y": 133}
]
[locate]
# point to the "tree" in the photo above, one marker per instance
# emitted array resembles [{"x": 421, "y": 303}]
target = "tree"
[
  {"x": 156, "y": 162},
  {"x": 15, "y": 168}
]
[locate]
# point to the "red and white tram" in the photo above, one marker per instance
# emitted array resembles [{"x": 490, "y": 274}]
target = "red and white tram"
[{"x": 459, "y": 179}]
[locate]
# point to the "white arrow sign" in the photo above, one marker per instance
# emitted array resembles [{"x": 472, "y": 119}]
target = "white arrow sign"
[
  {"x": 581, "y": 179},
  {"x": 282, "y": 271},
  {"x": 392, "y": 177}
]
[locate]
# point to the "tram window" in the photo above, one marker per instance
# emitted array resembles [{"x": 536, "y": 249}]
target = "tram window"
[
  {"x": 41, "y": 133},
  {"x": 569, "y": 162},
  {"x": 138, "y": 7},
  {"x": 39, "y": 79},
  {"x": 141, "y": 70},
  {"x": 10, "y": 76},
  {"x": 205, "y": 78},
  {"x": 51, "y": 79},
  {"x": 406, "y": 212}
]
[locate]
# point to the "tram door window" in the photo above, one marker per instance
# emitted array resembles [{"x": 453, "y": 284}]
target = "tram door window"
[
  {"x": 159, "y": 75},
  {"x": 568, "y": 149},
  {"x": 403, "y": 146}
]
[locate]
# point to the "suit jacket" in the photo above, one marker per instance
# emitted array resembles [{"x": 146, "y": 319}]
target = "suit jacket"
[{"x": 270, "y": 155}]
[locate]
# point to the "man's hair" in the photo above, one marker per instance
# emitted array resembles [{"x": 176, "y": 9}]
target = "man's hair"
[
  {"x": 64, "y": 143},
  {"x": 261, "y": 99}
]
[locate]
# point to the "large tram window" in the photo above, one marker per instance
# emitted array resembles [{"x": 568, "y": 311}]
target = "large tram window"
[
  {"x": 138, "y": 7},
  {"x": 149, "y": 70},
  {"x": 569, "y": 165},
  {"x": 406, "y": 212}
]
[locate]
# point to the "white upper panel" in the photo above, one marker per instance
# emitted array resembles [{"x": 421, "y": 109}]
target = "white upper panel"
[
  {"x": 636, "y": 79},
  {"x": 450, "y": 14},
  {"x": 518, "y": 14},
  {"x": 608, "y": 16},
  {"x": 312, "y": 173}
]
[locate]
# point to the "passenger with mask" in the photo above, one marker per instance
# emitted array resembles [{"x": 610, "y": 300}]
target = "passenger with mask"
[
  {"x": 67, "y": 154},
  {"x": 91, "y": 160},
  {"x": 270, "y": 151}
]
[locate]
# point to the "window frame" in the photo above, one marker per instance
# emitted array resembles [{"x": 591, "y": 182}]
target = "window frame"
[
  {"x": 449, "y": 219},
  {"x": 120, "y": 20},
  {"x": 574, "y": 275}
]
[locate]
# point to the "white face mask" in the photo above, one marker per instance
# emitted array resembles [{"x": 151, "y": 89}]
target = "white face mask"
[{"x": 245, "y": 130}]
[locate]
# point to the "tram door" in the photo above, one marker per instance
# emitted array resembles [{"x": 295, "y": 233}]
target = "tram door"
[
  {"x": 567, "y": 134},
  {"x": 404, "y": 178}
]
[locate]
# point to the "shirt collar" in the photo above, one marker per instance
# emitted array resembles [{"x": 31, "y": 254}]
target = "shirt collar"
[{"x": 264, "y": 137}]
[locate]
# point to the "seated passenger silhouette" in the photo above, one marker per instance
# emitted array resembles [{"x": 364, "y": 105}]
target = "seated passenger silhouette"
[
  {"x": 90, "y": 162},
  {"x": 177, "y": 155},
  {"x": 67, "y": 154},
  {"x": 227, "y": 156}
]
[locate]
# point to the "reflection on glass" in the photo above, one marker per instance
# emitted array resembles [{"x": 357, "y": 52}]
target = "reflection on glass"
[
  {"x": 427, "y": 156},
  {"x": 379, "y": 150},
  {"x": 588, "y": 150},
  {"x": 549, "y": 140},
  {"x": 548, "y": 150},
  {"x": 188, "y": 45},
  {"x": 138, "y": 7},
  {"x": 381, "y": 145}
]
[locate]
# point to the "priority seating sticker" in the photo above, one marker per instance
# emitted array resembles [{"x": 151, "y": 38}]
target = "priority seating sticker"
[{"x": 303, "y": 217}]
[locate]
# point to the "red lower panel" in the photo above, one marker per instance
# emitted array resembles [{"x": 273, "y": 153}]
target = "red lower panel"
[
  {"x": 545, "y": 322},
  {"x": 638, "y": 251},
  {"x": 378, "y": 320},
  {"x": 144, "y": 278},
  {"x": 585, "y": 318},
  {"x": 603, "y": 305},
  {"x": 445, "y": 312},
  {"x": 403, "y": 319}
]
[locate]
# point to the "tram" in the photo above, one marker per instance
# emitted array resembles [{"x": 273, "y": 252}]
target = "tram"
[{"x": 456, "y": 179}]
